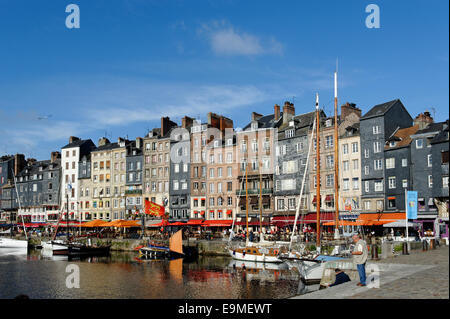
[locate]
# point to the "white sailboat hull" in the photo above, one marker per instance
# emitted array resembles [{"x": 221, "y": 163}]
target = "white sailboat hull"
[
  {"x": 54, "y": 246},
  {"x": 13, "y": 243},
  {"x": 255, "y": 258}
]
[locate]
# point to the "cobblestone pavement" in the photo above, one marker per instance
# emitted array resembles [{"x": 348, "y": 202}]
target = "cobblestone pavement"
[
  {"x": 432, "y": 283},
  {"x": 420, "y": 275}
]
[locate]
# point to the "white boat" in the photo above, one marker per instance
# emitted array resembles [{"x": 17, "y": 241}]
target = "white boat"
[
  {"x": 13, "y": 243},
  {"x": 56, "y": 247},
  {"x": 256, "y": 254}
]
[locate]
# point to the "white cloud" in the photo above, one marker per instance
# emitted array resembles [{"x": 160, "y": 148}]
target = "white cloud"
[{"x": 224, "y": 39}]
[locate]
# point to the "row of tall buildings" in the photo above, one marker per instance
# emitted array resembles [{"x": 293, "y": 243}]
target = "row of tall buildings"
[{"x": 212, "y": 171}]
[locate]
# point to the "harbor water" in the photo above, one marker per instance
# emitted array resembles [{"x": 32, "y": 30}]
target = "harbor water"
[{"x": 123, "y": 275}]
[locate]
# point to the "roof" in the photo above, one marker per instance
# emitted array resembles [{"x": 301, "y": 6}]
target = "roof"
[
  {"x": 432, "y": 127},
  {"x": 403, "y": 137},
  {"x": 267, "y": 121},
  {"x": 77, "y": 143},
  {"x": 106, "y": 147},
  {"x": 443, "y": 135},
  {"x": 34, "y": 168},
  {"x": 380, "y": 109}
]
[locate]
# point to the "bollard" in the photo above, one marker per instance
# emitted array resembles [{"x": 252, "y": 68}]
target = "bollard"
[
  {"x": 424, "y": 245},
  {"x": 376, "y": 251},
  {"x": 405, "y": 248},
  {"x": 433, "y": 243}
]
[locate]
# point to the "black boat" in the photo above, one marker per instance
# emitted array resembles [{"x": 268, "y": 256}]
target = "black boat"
[{"x": 84, "y": 250}]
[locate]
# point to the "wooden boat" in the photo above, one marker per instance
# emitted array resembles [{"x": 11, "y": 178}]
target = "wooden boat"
[
  {"x": 174, "y": 250},
  {"x": 256, "y": 254}
]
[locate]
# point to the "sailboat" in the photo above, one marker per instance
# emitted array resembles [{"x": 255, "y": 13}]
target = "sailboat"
[
  {"x": 264, "y": 251},
  {"x": 71, "y": 248},
  {"x": 12, "y": 243},
  {"x": 174, "y": 250}
]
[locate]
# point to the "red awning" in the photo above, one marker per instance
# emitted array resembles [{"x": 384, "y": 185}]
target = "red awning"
[
  {"x": 391, "y": 197},
  {"x": 195, "y": 222},
  {"x": 177, "y": 224},
  {"x": 160, "y": 224},
  {"x": 314, "y": 199},
  {"x": 229, "y": 212},
  {"x": 202, "y": 212},
  {"x": 329, "y": 198},
  {"x": 217, "y": 223},
  {"x": 253, "y": 223}
]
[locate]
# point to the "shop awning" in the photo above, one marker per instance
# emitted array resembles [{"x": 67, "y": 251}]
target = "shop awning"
[
  {"x": 177, "y": 224},
  {"x": 253, "y": 222},
  {"x": 195, "y": 222},
  {"x": 329, "y": 198},
  {"x": 160, "y": 224},
  {"x": 217, "y": 223},
  {"x": 229, "y": 212},
  {"x": 399, "y": 223},
  {"x": 122, "y": 223},
  {"x": 94, "y": 223}
]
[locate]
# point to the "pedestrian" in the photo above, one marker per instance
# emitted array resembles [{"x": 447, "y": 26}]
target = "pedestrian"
[
  {"x": 341, "y": 277},
  {"x": 360, "y": 254}
]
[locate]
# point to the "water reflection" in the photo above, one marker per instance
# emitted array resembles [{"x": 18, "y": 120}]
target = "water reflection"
[{"x": 123, "y": 275}]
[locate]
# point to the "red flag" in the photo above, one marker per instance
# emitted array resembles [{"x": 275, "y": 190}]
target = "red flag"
[{"x": 153, "y": 208}]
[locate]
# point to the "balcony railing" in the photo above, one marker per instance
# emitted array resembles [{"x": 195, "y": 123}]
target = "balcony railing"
[
  {"x": 252, "y": 191},
  {"x": 134, "y": 191}
]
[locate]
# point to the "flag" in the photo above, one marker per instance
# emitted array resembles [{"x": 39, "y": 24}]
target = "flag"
[
  {"x": 411, "y": 204},
  {"x": 153, "y": 209}
]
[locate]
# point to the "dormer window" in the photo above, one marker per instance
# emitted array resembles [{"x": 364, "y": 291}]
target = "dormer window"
[
  {"x": 216, "y": 143},
  {"x": 134, "y": 152},
  {"x": 328, "y": 123},
  {"x": 392, "y": 143},
  {"x": 229, "y": 142},
  {"x": 254, "y": 125},
  {"x": 40, "y": 168},
  {"x": 291, "y": 123}
]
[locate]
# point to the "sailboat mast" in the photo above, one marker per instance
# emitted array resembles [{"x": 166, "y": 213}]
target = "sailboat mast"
[
  {"x": 318, "y": 199},
  {"x": 20, "y": 206},
  {"x": 260, "y": 201},
  {"x": 246, "y": 195},
  {"x": 336, "y": 155}
]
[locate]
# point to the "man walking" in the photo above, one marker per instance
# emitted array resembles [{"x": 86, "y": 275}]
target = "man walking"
[{"x": 360, "y": 254}]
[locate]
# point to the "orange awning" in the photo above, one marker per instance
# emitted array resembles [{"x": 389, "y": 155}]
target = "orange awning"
[
  {"x": 122, "y": 223},
  {"x": 217, "y": 223},
  {"x": 94, "y": 223}
]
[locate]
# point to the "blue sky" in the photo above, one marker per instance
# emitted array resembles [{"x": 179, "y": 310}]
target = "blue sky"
[{"x": 131, "y": 62}]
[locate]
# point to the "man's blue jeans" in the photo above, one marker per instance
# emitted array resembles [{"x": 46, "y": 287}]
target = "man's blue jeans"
[{"x": 362, "y": 273}]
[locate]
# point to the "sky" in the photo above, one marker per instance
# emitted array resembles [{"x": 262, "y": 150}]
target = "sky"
[{"x": 132, "y": 61}]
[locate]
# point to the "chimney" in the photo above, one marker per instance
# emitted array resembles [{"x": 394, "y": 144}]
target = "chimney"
[
  {"x": 288, "y": 112},
  {"x": 19, "y": 163},
  {"x": 138, "y": 142},
  {"x": 55, "y": 156},
  {"x": 103, "y": 141},
  {"x": 166, "y": 125},
  {"x": 349, "y": 108},
  {"x": 186, "y": 122},
  {"x": 423, "y": 120},
  {"x": 73, "y": 139},
  {"x": 276, "y": 112},
  {"x": 256, "y": 116}
]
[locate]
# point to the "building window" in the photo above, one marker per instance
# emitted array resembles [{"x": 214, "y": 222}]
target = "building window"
[
  {"x": 330, "y": 161},
  {"x": 378, "y": 186},
  {"x": 391, "y": 202},
  {"x": 404, "y": 162},
  {"x": 367, "y": 205},
  {"x": 355, "y": 181},
  {"x": 330, "y": 180},
  {"x": 345, "y": 184},
  {"x": 366, "y": 170},
  {"x": 329, "y": 141},
  {"x": 390, "y": 163},
  {"x": 355, "y": 164},
  {"x": 346, "y": 166},
  {"x": 419, "y": 143},
  {"x": 430, "y": 181},
  {"x": 300, "y": 147},
  {"x": 289, "y": 133},
  {"x": 366, "y": 153},
  {"x": 444, "y": 157},
  {"x": 376, "y": 129},
  {"x": 445, "y": 182},
  {"x": 345, "y": 148},
  {"x": 378, "y": 164},
  {"x": 280, "y": 203},
  {"x": 404, "y": 183},
  {"x": 429, "y": 160},
  {"x": 355, "y": 147},
  {"x": 392, "y": 183},
  {"x": 376, "y": 147}
]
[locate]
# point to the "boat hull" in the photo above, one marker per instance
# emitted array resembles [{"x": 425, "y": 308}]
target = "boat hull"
[
  {"x": 253, "y": 257},
  {"x": 13, "y": 243}
]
